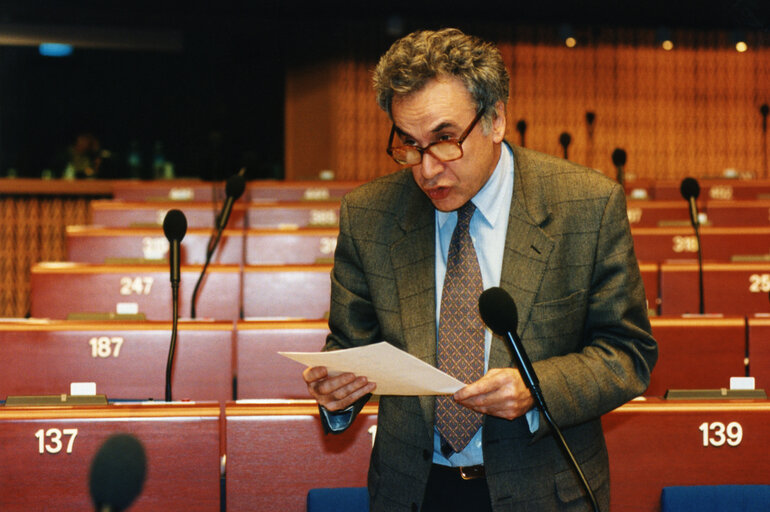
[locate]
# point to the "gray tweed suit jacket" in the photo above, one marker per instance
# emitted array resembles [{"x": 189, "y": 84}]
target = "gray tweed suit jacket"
[{"x": 569, "y": 264}]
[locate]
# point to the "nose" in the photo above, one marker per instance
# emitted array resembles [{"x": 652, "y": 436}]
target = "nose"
[{"x": 431, "y": 166}]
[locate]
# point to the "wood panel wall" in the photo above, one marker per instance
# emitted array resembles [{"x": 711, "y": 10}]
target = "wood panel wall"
[{"x": 692, "y": 111}]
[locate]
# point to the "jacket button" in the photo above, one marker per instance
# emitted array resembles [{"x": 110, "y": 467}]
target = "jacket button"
[
  {"x": 414, "y": 507},
  {"x": 426, "y": 455}
]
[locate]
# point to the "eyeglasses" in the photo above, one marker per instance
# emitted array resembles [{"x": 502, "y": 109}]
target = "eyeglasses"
[{"x": 443, "y": 150}]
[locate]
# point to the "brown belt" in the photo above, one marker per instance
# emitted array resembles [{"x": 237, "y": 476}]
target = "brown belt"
[{"x": 466, "y": 472}]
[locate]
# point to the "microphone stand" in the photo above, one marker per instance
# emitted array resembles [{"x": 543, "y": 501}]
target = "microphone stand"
[
  {"x": 174, "y": 255},
  {"x": 533, "y": 383},
  {"x": 701, "y": 307}
]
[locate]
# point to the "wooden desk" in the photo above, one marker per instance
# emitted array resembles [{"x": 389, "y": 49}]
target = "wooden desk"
[
  {"x": 272, "y": 190},
  {"x": 721, "y": 244},
  {"x": 126, "y": 360},
  {"x": 759, "y": 350},
  {"x": 302, "y": 214},
  {"x": 728, "y": 288},
  {"x": 714, "y": 189},
  {"x": 655, "y": 213},
  {"x": 177, "y": 190},
  {"x": 261, "y": 371},
  {"x": 95, "y": 244},
  {"x": 739, "y": 213},
  {"x": 123, "y": 214},
  {"x": 697, "y": 353},
  {"x": 277, "y": 452},
  {"x": 47, "y": 454},
  {"x": 653, "y": 444},
  {"x": 58, "y": 289},
  {"x": 286, "y": 291}
]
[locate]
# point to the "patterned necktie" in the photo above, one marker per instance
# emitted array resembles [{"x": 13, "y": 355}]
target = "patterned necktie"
[{"x": 460, "y": 350}]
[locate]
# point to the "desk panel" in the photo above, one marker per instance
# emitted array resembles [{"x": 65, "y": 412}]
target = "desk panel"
[
  {"x": 177, "y": 190},
  {"x": 126, "y": 360},
  {"x": 305, "y": 214},
  {"x": 656, "y": 213},
  {"x": 290, "y": 247},
  {"x": 124, "y": 214},
  {"x": 721, "y": 244},
  {"x": 181, "y": 442},
  {"x": 272, "y": 190},
  {"x": 697, "y": 353},
  {"x": 58, "y": 289},
  {"x": 277, "y": 452},
  {"x": 655, "y": 443},
  {"x": 759, "y": 350},
  {"x": 95, "y": 244},
  {"x": 728, "y": 288},
  {"x": 294, "y": 246},
  {"x": 739, "y": 213},
  {"x": 262, "y": 372},
  {"x": 286, "y": 291},
  {"x": 714, "y": 189}
]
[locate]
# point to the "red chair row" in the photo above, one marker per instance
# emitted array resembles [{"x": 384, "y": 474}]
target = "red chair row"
[
  {"x": 272, "y": 453},
  {"x": 224, "y": 360}
]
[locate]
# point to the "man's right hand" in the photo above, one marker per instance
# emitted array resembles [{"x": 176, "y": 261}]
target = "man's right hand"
[{"x": 338, "y": 392}]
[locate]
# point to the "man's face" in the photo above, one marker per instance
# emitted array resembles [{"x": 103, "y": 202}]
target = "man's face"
[{"x": 443, "y": 109}]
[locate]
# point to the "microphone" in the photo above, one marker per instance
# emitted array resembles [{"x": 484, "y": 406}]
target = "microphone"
[
  {"x": 234, "y": 188},
  {"x": 690, "y": 191},
  {"x": 499, "y": 313},
  {"x": 521, "y": 127},
  {"x": 174, "y": 227},
  {"x": 564, "y": 139},
  {"x": 619, "y": 160},
  {"x": 117, "y": 473}
]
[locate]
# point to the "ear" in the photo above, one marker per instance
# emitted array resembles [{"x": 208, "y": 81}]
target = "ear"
[{"x": 499, "y": 123}]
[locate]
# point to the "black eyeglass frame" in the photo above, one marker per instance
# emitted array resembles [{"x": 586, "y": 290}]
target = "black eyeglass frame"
[{"x": 458, "y": 142}]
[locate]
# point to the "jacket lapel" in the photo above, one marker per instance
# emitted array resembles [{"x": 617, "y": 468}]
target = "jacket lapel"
[{"x": 527, "y": 248}]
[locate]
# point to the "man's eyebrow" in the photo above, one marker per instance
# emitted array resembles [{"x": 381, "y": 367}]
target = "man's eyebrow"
[{"x": 440, "y": 127}]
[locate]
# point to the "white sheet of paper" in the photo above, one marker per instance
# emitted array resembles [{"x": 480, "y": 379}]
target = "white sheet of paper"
[{"x": 395, "y": 371}]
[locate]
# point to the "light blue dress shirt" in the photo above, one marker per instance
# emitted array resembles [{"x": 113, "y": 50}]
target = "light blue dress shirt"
[{"x": 488, "y": 229}]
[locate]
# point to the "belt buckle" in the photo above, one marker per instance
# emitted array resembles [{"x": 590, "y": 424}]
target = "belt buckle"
[{"x": 472, "y": 472}]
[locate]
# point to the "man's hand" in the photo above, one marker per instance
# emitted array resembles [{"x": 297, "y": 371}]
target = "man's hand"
[
  {"x": 501, "y": 392},
  {"x": 338, "y": 392}
]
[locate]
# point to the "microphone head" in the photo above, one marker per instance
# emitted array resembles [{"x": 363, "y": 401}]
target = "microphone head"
[
  {"x": 521, "y": 126},
  {"x": 564, "y": 139},
  {"x": 117, "y": 472},
  {"x": 590, "y": 117},
  {"x": 498, "y": 311},
  {"x": 175, "y": 225},
  {"x": 619, "y": 157},
  {"x": 764, "y": 109},
  {"x": 235, "y": 186},
  {"x": 689, "y": 188}
]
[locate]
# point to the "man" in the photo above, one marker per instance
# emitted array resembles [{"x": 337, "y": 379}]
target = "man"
[{"x": 553, "y": 234}]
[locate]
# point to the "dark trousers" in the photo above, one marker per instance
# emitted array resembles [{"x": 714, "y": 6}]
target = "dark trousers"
[{"x": 447, "y": 491}]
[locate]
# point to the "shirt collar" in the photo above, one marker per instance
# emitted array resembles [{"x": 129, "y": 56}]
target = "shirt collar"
[{"x": 488, "y": 200}]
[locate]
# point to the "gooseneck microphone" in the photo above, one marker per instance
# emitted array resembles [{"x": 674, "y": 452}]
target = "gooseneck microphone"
[
  {"x": 174, "y": 227},
  {"x": 565, "y": 139},
  {"x": 499, "y": 313},
  {"x": 117, "y": 473},
  {"x": 690, "y": 191},
  {"x": 234, "y": 188},
  {"x": 619, "y": 161}
]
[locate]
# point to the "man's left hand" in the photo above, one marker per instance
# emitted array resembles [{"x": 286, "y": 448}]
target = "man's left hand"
[{"x": 501, "y": 392}]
